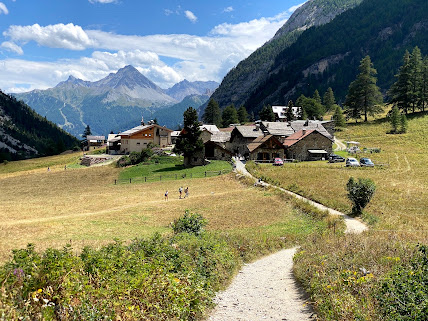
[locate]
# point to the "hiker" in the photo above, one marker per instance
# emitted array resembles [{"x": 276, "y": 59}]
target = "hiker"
[
  {"x": 49, "y": 169},
  {"x": 186, "y": 192},
  {"x": 65, "y": 167},
  {"x": 166, "y": 195},
  {"x": 180, "y": 190}
]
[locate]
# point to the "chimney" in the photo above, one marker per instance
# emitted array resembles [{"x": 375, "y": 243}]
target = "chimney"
[
  {"x": 303, "y": 132},
  {"x": 142, "y": 121}
]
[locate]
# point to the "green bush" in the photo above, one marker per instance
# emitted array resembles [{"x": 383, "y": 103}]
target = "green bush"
[
  {"x": 403, "y": 295},
  {"x": 191, "y": 223},
  {"x": 360, "y": 193}
]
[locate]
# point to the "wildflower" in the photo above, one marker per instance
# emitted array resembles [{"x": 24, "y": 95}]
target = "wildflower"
[{"x": 39, "y": 290}]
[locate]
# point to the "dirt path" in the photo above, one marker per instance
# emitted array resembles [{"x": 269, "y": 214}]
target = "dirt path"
[
  {"x": 266, "y": 289},
  {"x": 339, "y": 144}
]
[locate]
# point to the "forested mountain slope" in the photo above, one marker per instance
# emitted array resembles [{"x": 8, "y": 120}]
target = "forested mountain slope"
[
  {"x": 24, "y": 133},
  {"x": 329, "y": 55},
  {"x": 249, "y": 73}
]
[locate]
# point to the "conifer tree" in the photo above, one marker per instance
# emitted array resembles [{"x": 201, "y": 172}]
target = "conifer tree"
[
  {"x": 329, "y": 99},
  {"x": 87, "y": 132},
  {"x": 339, "y": 119},
  {"x": 403, "y": 122},
  {"x": 364, "y": 97},
  {"x": 394, "y": 119},
  {"x": 242, "y": 114},
  {"x": 317, "y": 96},
  {"x": 289, "y": 114},
  {"x": 229, "y": 116},
  {"x": 212, "y": 114},
  {"x": 189, "y": 142},
  {"x": 400, "y": 90},
  {"x": 267, "y": 114},
  {"x": 415, "y": 65},
  {"x": 423, "y": 92}
]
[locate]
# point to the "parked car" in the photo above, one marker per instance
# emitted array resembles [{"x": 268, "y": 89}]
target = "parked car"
[
  {"x": 333, "y": 158},
  {"x": 278, "y": 162},
  {"x": 366, "y": 162},
  {"x": 352, "y": 162}
]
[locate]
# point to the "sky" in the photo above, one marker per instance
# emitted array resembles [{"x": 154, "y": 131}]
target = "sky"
[{"x": 43, "y": 42}]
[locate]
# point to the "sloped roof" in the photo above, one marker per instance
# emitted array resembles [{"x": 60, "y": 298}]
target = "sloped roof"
[
  {"x": 113, "y": 138},
  {"x": 95, "y": 137},
  {"x": 249, "y": 131},
  {"x": 298, "y": 125},
  {"x": 220, "y": 137},
  {"x": 260, "y": 140},
  {"x": 211, "y": 128},
  {"x": 298, "y": 136},
  {"x": 278, "y": 128},
  {"x": 137, "y": 129}
]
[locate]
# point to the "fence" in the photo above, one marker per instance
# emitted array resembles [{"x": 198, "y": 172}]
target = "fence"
[{"x": 160, "y": 178}]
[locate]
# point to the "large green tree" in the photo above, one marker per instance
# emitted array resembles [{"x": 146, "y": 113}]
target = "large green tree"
[
  {"x": 364, "y": 97},
  {"x": 242, "y": 114},
  {"x": 423, "y": 93},
  {"x": 400, "y": 91},
  {"x": 212, "y": 114},
  {"x": 230, "y": 116},
  {"x": 87, "y": 132},
  {"x": 394, "y": 119},
  {"x": 415, "y": 65},
  {"x": 189, "y": 142},
  {"x": 338, "y": 118},
  {"x": 267, "y": 114},
  {"x": 289, "y": 114},
  {"x": 329, "y": 99},
  {"x": 311, "y": 107}
]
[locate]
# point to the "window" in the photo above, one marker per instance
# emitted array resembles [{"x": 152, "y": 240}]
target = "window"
[
  {"x": 138, "y": 143},
  {"x": 150, "y": 135}
]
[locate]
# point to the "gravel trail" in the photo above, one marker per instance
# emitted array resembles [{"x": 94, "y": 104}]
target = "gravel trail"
[{"x": 266, "y": 289}]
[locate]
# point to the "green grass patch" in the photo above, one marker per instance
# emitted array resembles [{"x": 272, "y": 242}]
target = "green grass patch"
[{"x": 168, "y": 168}]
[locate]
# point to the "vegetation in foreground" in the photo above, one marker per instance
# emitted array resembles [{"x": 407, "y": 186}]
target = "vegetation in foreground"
[{"x": 381, "y": 274}]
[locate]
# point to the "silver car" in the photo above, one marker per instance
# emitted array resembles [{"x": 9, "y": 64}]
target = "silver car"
[{"x": 352, "y": 162}]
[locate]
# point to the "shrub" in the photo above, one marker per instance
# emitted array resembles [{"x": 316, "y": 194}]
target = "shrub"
[
  {"x": 191, "y": 223},
  {"x": 403, "y": 294},
  {"x": 360, "y": 193}
]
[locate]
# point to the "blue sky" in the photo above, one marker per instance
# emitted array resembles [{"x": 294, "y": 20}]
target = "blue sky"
[{"x": 43, "y": 42}]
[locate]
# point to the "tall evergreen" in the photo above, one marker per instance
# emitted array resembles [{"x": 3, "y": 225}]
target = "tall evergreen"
[
  {"x": 212, "y": 114},
  {"x": 394, "y": 119},
  {"x": 317, "y": 96},
  {"x": 87, "y": 132},
  {"x": 289, "y": 114},
  {"x": 423, "y": 92},
  {"x": 328, "y": 99},
  {"x": 401, "y": 89},
  {"x": 403, "y": 123},
  {"x": 230, "y": 116},
  {"x": 339, "y": 119},
  {"x": 364, "y": 97},
  {"x": 267, "y": 114},
  {"x": 242, "y": 114},
  {"x": 189, "y": 142},
  {"x": 415, "y": 65}
]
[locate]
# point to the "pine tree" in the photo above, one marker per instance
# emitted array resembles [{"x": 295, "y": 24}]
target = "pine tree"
[
  {"x": 230, "y": 116},
  {"x": 364, "y": 97},
  {"x": 401, "y": 89},
  {"x": 394, "y": 119},
  {"x": 415, "y": 65},
  {"x": 423, "y": 92},
  {"x": 339, "y": 119},
  {"x": 242, "y": 114},
  {"x": 189, "y": 142},
  {"x": 267, "y": 114},
  {"x": 329, "y": 99},
  {"x": 317, "y": 96},
  {"x": 87, "y": 132},
  {"x": 289, "y": 114},
  {"x": 311, "y": 108},
  {"x": 403, "y": 122},
  {"x": 212, "y": 114}
]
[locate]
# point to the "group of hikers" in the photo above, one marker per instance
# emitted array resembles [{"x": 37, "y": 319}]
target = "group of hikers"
[{"x": 180, "y": 191}]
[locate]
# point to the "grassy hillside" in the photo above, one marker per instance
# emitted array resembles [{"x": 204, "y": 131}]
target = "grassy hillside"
[{"x": 331, "y": 267}]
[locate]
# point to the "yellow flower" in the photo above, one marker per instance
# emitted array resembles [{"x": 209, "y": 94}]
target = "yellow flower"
[{"x": 40, "y": 290}]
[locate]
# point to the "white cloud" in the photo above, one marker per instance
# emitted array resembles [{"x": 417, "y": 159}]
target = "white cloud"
[
  {"x": 3, "y": 8},
  {"x": 294, "y": 8},
  {"x": 102, "y": 1},
  {"x": 67, "y": 36},
  {"x": 191, "y": 16},
  {"x": 12, "y": 47},
  {"x": 198, "y": 58},
  {"x": 228, "y": 9}
]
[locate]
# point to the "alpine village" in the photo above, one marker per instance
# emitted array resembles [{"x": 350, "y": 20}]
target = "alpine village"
[{"x": 288, "y": 184}]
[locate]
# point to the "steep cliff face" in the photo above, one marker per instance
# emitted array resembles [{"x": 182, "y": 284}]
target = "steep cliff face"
[{"x": 249, "y": 73}]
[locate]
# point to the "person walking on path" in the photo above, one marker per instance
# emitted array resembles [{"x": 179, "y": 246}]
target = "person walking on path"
[
  {"x": 180, "y": 190},
  {"x": 186, "y": 192},
  {"x": 166, "y": 195}
]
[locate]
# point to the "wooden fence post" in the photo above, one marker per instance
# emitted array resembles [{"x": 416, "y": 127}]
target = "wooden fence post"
[
  {"x": 205, "y": 174},
  {"x": 145, "y": 179},
  {"x": 114, "y": 182},
  {"x": 130, "y": 181}
]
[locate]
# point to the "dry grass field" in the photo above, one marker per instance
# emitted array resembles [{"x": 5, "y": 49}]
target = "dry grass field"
[
  {"x": 83, "y": 207},
  {"x": 401, "y": 199}
]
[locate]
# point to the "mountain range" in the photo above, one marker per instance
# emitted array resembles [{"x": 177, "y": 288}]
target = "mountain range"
[
  {"x": 109, "y": 104},
  {"x": 328, "y": 53}
]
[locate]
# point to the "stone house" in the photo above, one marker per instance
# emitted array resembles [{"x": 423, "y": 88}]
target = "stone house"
[
  {"x": 280, "y": 130},
  {"x": 241, "y": 136},
  {"x": 308, "y": 145},
  {"x": 217, "y": 151},
  {"x": 95, "y": 142},
  {"x": 265, "y": 148}
]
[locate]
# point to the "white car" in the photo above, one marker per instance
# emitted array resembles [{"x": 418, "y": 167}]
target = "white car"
[{"x": 352, "y": 162}]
